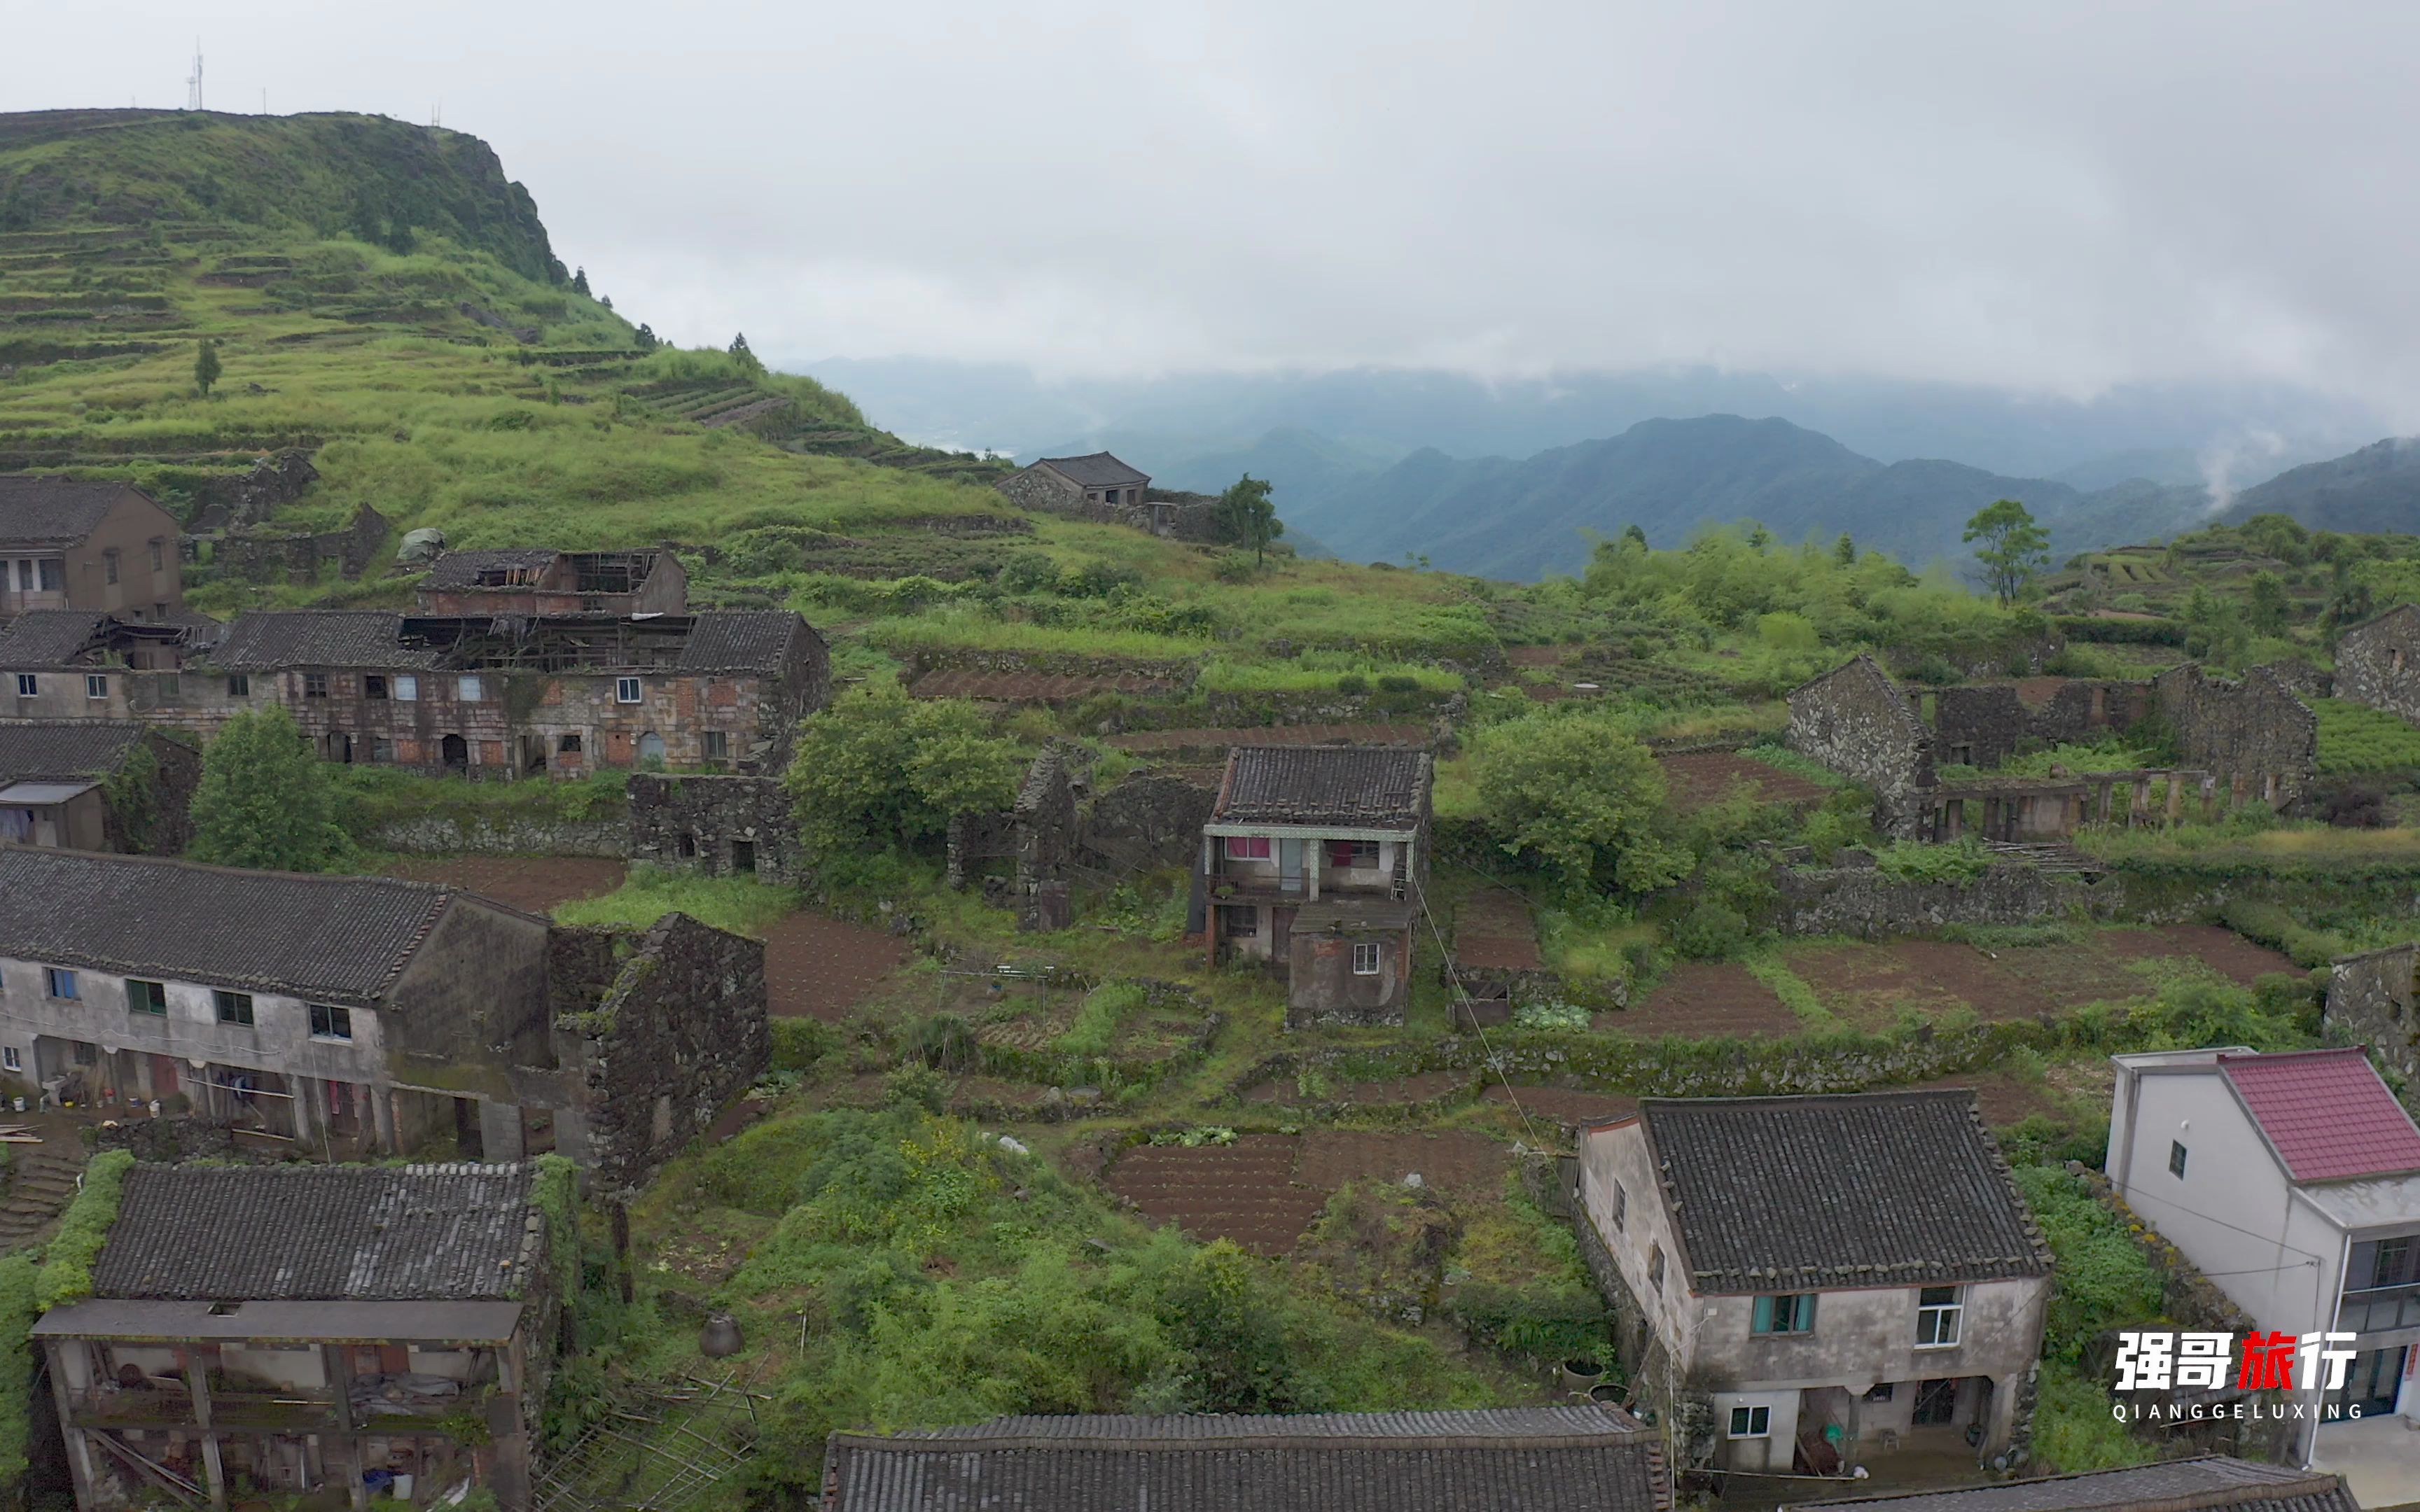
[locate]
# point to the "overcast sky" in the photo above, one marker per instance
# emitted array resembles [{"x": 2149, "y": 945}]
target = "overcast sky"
[{"x": 2045, "y": 194}]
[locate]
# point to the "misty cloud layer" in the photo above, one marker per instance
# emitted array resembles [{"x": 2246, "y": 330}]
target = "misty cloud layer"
[{"x": 2061, "y": 196}]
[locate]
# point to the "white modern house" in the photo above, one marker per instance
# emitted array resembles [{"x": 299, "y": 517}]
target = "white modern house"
[
  {"x": 1819, "y": 1280},
  {"x": 2293, "y": 1181}
]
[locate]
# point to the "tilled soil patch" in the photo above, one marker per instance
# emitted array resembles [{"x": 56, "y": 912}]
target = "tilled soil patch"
[
  {"x": 1427, "y": 1087},
  {"x": 1562, "y": 1106},
  {"x": 1706, "y": 777},
  {"x": 2223, "y": 949},
  {"x": 536, "y": 883},
  {"x": 818, "y": 967},
  {"x": 1244, "y": 1191},
  {"x": 1705, "y": 999},
  {"x": 1454, "y": 1159}
]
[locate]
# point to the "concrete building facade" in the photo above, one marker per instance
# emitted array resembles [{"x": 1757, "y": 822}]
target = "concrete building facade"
[{"x": 105, "y": 546}]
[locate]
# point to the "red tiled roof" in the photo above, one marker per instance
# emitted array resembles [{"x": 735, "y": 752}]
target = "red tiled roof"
[{"x": 2326, "y": 1113}]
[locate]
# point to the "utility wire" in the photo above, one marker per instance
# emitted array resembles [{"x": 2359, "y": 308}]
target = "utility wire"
[{"x": 1461, "y": 999}]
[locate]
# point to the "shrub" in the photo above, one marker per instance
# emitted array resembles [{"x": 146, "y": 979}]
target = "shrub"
[
  {"x": 800, "y": 1042},
  {"x": 66, "y": 1265},
  {"x": 1353, "y": 685},
  {"x": 1708, "y": 932},
  {"x": 1398, "y": 683}
]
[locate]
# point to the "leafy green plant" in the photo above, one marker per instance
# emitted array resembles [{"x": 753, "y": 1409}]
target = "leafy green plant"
[
  {"x": 266, "y": 800},
  {"x": 66, "y": 1276}
]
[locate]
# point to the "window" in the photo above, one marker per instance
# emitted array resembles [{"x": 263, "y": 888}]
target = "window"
[
  {"x": 1937, "y": 1311},
  {"x": 109, "y": 566},
  {"x": 25, "y": 576},
  {"x": 60, "y": 983},
  {"x": 1367, "y": 959},
  {"x": 315, "y": 685},
  {"x": 1247, "y": 847},
  {"x": 1353, "y": 855},
  {"x": 625, "y": 690},
  {"x": 467, "y": 689},
  {"x": 717, "y": 745},
  {"x": 330, "y": 1023},
  {"x": 373, "y": 686},
  {"x": 1621, "y": 1206},
  {"x": 95, "y": 684},
  {"x": 239, "y": 685},
  {"x": 1239, "y": 924},
  {"x": 54, "y": 574},
  {"x": 404, "y": 687},
  {"x": 1784, "y": 1315},
  {"x": 2175, "y": 1160},
  {"x": 146, "y": 996},
  {"x": 234, "y": 1008},
  {"x": 28, "y": 684},
  {"x": 10, "y": 1060},
  {"x": 567, "y": 746},
  {"x": 1655, "y": 1267},
  {"x": 158, "y": 560},
  {"x": 172, "y": 685},
  {"x": 1751, "y": 1422},
  {"x": 382, "y": 748}
]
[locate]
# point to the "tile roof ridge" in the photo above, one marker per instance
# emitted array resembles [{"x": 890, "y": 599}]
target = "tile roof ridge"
[{"x": 186, "y": 864}]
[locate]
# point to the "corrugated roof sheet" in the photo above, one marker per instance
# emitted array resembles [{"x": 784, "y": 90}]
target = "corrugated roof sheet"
[
  {"x": 1865, "y": 1189},
  {"x": 1558, "y": 1459},
  {"x": 269, "y": 640},
  {"x": 34, "y": 749},
  {"x": 1096, "y": 469},
  {"x": 48, "y": 636},
  {"x": 461, "y": 569},
  {"x": 2209, "y": 1481},
  {"x": 322, "y": 1233},
  {"x": 2326, "y": 1113},
  {"x": 56, "y": 511},
  {"x": 1352, "y": 787},
  {"x": 325, "y": 937}
]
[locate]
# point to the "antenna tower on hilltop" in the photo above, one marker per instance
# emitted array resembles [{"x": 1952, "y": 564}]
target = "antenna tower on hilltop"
[{"x": 194, "y": 85}]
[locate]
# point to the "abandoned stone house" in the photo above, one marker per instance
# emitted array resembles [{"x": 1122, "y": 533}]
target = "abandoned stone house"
[
  {"x": 1806, "y": 1283},
  {"x": 83, "y": 664},
  {"x": 331, "y": 1333},
  {"x": 721, "y": 826},
  {"x": 2242, "y": 741},
  {"x": 1586, "y": 1457},
  {"x": 105, "y": 546},
  {"x": 2374, "y": 1000},
  {"x": 340, "y": 1017},
  {"x": 547, "y": 581},
  {"x": 1312, "y": 860},
  {"x": 2377, "y": 662},
  {"x": 96, "y": 785},
  {"x": 512, "y": 697}
]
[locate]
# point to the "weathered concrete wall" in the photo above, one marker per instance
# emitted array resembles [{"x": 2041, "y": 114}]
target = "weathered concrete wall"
[
  {"x": 2257, "y": 734},
  {"x": 2378, "y": 663},
  {"x": 1857, "y": 721},
  {"x": 479, "y": 984},
  {"x": 2372, "y": 1001},
  {"x": 681, "y": 1033},
  {"x": 1863, "y": 901},
  {"x": 718, "y": 825},
  {"x": 1322, "y": 987}
]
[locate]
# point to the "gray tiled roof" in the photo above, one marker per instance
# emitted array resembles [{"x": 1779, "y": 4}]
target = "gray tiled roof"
[
  {"x": 1096, "y": 469},
  {"x": 48, "y": 636},
  {"x": 1867, "y": 1189},
  {"x": 1548, "y": 1459},
  {"x": 461, "y": 569},
  {"x": 2209, "y": 1481},
  {"x": 1354, "y": 786},
  {"x": 32, "y": 748},
  {"x": 324, "y": 937},
  {"x": 741, "y": 641},
  {"x": 54, "y": 511},
  {"x": 268, "y": 639},
  {"x": 322, "y": 1233}
]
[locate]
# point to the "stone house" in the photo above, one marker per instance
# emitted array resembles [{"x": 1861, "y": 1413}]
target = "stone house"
[
  {"x": 283, "y": 1331},
  {"x": 720, "y": 826},
  {"x": 1807, "y": 1282},
  {"x": 96, "y": 785},
  {"x": 343, "y": 1017},
  {"x": 2374, "y": 999},
  {"x": 2292, "y": 1181},
  {"x": 107, "y": 546},
  {"x": 1312, "y": 860},
  {"x": 2377, "y": 662},
  {"x": 547, "y": 581},
  {"x": 509, "y": 697},
  {"x": 2256, "y": 734},
  {"x": 1062, "y": 484},
  {"x": 82, "y": 664},
  {"x": 2205, "y": 1481},
  {"x": 1983, "y": 724},
  {"x": 1859, "y": 723},
  {"x": 1595, "y": 1458}
]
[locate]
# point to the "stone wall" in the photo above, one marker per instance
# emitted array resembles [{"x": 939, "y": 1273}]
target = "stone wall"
[
  {"x": 251, "y": 498},
  {"x": 2372, "y": 1001},
  {"x": 1863, "y": 901},
  {"x": 1858, "y": 723},
  {"x": 2257, "y": 734},
  {"x": 718, "y": 826},
  {"x": 1151, "y": 819},
  {"x": 255, "y": 558},
  {"x": 154, "y": 817},
  {"x": 681, "y": 1033},
  {"x": 2378, "y": 663},
  {"x": 1983, "y": 724},
  {"x": 437, "y": 834}
]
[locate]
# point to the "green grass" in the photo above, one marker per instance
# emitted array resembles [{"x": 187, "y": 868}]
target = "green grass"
[
  {"x": 2356, "y": 739},
  {"x": 1318, "y": 671},
  {"x": 733, "y": 904}
]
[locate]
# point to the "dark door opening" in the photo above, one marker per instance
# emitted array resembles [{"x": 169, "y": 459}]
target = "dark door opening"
[
  {"x": 456, "y": 754},
  {"x": 743, "y": 857}
]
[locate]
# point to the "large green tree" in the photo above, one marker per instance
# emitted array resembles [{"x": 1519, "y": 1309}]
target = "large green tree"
[
  {"x": 1582, "y": 797},
  {"x": 1247, "y": 518},
  {"x": 206, "y": 366},
  {"x": 265, "y": 799},
  {"x": 2011, "y": 546},
  {"x": 880, "y": 768}
]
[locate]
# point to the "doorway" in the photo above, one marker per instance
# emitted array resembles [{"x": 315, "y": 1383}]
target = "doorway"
[
  {"x": 2373, "y": 1379},
  {"x": 651, "y": 747},
  {"x": 455, "y": 751},
  {"x": 743, "y": 857},
  {"x": 1290, "y": 866}
]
